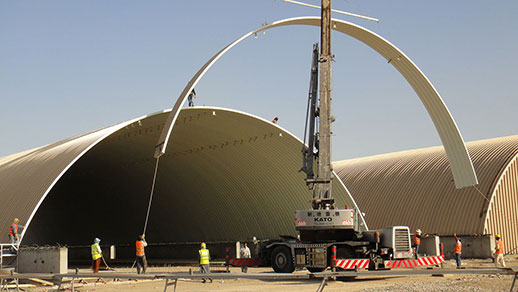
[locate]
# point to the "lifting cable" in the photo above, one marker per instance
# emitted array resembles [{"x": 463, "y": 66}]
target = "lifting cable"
[{"x": 482, "y": 194}]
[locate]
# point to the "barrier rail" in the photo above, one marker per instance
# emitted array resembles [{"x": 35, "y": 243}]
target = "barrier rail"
[{"x": 171, "y": 279}]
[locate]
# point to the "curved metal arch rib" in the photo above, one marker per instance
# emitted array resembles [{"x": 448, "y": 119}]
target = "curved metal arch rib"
[{"x": 461, "y": 165}]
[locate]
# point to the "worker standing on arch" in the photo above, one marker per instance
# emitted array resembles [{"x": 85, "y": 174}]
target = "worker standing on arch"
[{"x": 191, "y": 97}]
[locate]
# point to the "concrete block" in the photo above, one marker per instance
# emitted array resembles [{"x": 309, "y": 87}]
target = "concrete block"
[
  {"x": 43, "y": 260},
  {"x": 473, "y": 246},
  {"x": 430, "y": 246}
]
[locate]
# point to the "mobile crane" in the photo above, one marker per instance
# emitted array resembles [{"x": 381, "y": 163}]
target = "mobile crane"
[
  {"x": 327, "y": 232},
  {"x": 330, "y": 236}
]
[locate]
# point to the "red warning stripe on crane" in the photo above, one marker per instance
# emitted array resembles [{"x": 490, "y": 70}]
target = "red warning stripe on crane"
[
  {"x": 250, "y": 262},
  {"x": 401, "y": 264},
  {"x": 430, "y": 261},
  {"x": 422, "y": 261},
  {"x": 352, "y": 263}
]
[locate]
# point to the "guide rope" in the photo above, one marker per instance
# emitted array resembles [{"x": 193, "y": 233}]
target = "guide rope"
[{"x": 151, "y": 195}]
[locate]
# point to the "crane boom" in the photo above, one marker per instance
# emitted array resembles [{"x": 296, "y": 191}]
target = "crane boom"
[{"x": 322, "y": 198}]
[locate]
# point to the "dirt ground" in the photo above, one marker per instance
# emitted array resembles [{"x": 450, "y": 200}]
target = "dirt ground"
[{"x": 363, "y": 284}]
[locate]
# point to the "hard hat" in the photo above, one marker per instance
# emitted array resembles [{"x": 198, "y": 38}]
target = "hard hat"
[
  {"x": 497, "y": 236},
  {"x": 97, "y": 240},
  {"x": 203, "y": 244},
  {"x": 418, "y": 231}
]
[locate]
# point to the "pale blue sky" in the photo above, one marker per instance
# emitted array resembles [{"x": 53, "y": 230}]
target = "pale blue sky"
[{"x": 69, "y": 67}]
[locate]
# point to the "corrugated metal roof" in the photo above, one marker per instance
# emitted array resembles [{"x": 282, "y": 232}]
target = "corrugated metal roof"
[
  {"x": 226, "y": 176},
  {"x": 461, "y": 166},
  {"x": 415, "y": 188},
  {"x": 26, "y": 177}
]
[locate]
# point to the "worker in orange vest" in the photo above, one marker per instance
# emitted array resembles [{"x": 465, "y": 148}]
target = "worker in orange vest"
[
  {"x": 141, "y": 255},
  {"x": 457, "y": 250},
  {"x": 417, "y": 240},
  {"x": 499, "y": 251},
  {"x": 14, "y": 230}
]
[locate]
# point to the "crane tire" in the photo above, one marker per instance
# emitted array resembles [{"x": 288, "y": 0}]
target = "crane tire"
[{"x": 282, "y": 261}]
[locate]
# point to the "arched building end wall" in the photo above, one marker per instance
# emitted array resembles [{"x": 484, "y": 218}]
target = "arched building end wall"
[
  {"x": 502, "y": 216},
  {"x": 227, "y": 176}
]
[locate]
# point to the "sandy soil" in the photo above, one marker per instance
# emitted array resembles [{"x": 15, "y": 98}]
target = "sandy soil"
[{"x": 363, "y": 284}]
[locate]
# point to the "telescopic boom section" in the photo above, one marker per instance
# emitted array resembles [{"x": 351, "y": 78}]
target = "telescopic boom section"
[
  {"x": 308, "y": 153},
  {"x": 322, "y": 198}
]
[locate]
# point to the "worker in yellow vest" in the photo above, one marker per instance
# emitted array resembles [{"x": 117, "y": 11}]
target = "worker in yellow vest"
[
  {"x": 141, "y": 255},
  {"x": 499, "y": 251},
  {"x": 457, "y": 250},
  {"x": 96, "y": 255},
  {"x": 204, "y": 261}
]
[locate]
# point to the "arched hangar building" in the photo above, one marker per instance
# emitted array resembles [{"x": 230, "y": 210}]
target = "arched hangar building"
[
  {"x": 226, "y": 176},
  {"x": 230, "y": 176},
  {"x": 415, "y": 188}
]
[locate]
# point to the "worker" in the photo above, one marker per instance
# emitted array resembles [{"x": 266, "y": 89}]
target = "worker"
[
  {"x": 245, "y": 254},
  {"x": 417, "y": 240},
  {"x": 14, "y": 229},
  {"x": 204, "y": 261},
  {"x": 499, "y": 251},
  {"x": 191, "y": 98},
  {"x": 96, "y": 255},
  {"x": 457, "y": 251},
  {"x": 141, "y": 255},
  {"x": 275, "y": 120}
]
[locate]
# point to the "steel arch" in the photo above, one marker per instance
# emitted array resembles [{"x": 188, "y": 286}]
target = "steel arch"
[{"x": 460, "y": 162}]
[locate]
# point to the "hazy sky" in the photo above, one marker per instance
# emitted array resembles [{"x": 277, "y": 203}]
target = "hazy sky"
[{"x": 69, "y": 67}]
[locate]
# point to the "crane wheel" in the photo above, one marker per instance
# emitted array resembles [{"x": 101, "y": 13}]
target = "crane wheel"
[{"x": 282, "y": 261}]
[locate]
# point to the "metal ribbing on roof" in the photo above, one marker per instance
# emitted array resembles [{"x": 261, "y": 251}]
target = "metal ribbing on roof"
[
  {"x": 502, "y": 216},
  {"x": 26, "y": 177},
  {"x": 415, "y": 188}
]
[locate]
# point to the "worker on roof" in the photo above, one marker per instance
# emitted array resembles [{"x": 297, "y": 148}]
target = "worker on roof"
[
  {"x": 275, "y": 120},
  {"x": 204, "y": 261},
  {"x": 14, "y": 231},
  {"x": 457, "y": 250},
  {"x": 245, "y": 254},
  {"x": 499, "y": 251},
  {"x": 417, "y": 240},
  {"x": 141, "y": 255},
  {"x": 96, "y": 255},
  {"x": 191, "y": 98}
]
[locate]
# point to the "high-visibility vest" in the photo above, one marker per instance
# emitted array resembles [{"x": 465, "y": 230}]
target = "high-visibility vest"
[
  {"x": 13, "y": 229},
  {"x": 95, "y": 251},
  {"x": 204, "y": 256},
  {"x": 417, "y": 240},
  {"x": 458, "y": 247},
  {"x": 140, "y": 247},
  {"x": 500, "y": 247}
]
